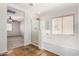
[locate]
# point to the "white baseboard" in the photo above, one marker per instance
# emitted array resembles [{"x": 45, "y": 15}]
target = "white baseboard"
[
  {"x": 27, "y": 43},
  {"x": 34, "y": 44}
]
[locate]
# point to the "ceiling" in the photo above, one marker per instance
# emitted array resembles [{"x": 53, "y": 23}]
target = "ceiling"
[
  {"x": 18, "y": 15},
  {"x": 44, "y": 7},
  {"x": 38, "y": 8}
]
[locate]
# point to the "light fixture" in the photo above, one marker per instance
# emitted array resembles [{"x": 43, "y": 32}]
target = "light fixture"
[
  {"x": 37, "y": 18},
  {"x": 10, "y": 19},
  {"x": 31, "y": 4}
]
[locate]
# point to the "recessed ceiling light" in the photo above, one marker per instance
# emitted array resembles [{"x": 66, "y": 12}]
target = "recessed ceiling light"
[{"x": 31, "y": 4}]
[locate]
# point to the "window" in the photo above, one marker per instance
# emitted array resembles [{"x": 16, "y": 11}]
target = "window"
[
  {"x": 68, "y": 25},
  {"x": 9, "y": 27},
  {"x": 62, "y": 25},
  {"x": 57, "y": 26}
]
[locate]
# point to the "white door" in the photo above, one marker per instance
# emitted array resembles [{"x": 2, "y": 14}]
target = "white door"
[{"x": 35, "y": 31}]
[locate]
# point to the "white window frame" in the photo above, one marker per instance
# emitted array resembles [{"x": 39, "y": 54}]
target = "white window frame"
[
  {"x": 63, "y": 25},
  {"x": 9, "y": 27}
]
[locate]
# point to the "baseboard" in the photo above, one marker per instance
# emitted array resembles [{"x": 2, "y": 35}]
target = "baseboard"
[
  {"x": 27, "y": 43},
  {"x": 34, "y": 44}
]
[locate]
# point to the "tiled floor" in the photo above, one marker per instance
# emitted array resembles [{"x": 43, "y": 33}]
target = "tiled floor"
[
  {"x": 14, "y": 42},
  {"x": 29, "y": 50}
]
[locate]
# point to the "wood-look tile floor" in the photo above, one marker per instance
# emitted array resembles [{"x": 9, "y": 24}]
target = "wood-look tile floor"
[{"x": 29, "y": 50}]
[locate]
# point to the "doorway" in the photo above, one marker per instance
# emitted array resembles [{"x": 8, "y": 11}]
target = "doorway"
[
  {"x": 36, "y": 32},
  {"x": 15, "y": 28}
]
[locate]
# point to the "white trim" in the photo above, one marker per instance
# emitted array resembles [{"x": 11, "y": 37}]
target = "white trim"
[
  {"x": 23, "y": 10},
  {"x": 35, "y": 44},
  {"x": 39, "y": 38}
]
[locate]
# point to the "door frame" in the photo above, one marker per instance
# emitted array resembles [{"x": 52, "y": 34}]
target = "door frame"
[
  {"x": 19, "y": 9},
  {"x": 39, "y": 36}
]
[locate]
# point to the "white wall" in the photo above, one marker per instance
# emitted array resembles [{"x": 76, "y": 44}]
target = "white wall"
[
  {"x": 61, "y": 44},
  {"x": 22, "y": 28},
  {"x": 15, "y": 29},
  {"x": 3, "y": 29},
  {"x": 27, "y": 26}
]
